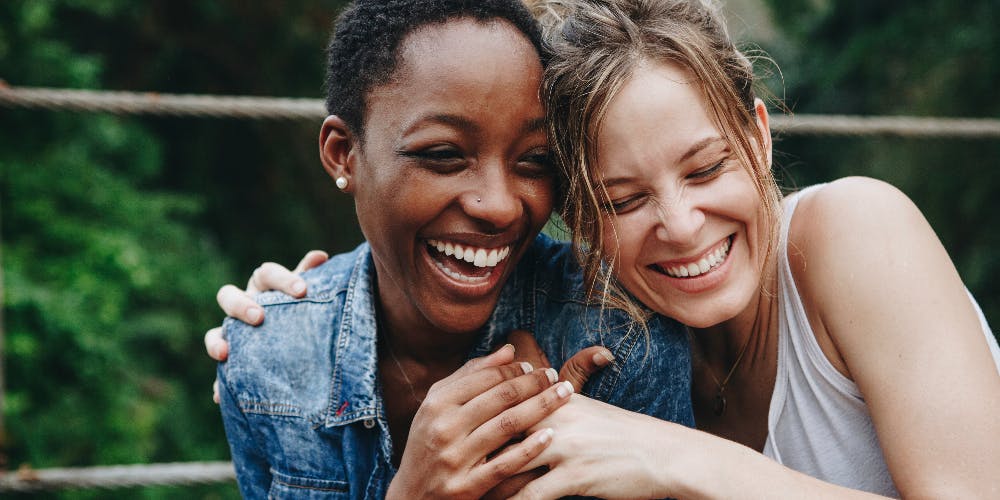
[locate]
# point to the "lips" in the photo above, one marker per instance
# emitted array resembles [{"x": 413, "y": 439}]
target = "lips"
[
  {"x": 466, "y": 263},
  {"x": 706, "y": 263}
]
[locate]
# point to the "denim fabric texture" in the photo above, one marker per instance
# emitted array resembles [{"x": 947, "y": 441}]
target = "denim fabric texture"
[{"x": 301, "y": 397}]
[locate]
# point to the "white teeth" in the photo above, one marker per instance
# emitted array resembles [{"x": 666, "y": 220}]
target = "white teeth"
[
  {"x": 479, "y": 257},
  {"x": 703, "y": 266},
  {"x": 693, "y": 270},
  {"x": 462, "y": 277},
  {"x": 710, "y": 261}
]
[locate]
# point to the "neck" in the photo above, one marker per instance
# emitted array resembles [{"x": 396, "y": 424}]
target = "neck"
[
  {"x": 412, "y": 337},
  {"x": 754, "y": 329}
]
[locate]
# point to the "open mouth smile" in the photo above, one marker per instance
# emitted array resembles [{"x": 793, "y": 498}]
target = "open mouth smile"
[
  {"x": 466, "y": 263},
  {"x": 708, "y": 262}
]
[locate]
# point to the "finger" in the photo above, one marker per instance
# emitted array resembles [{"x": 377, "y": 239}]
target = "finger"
[
  {"x": 215, "y": 391},
  {"x": 238, "y": 304},
  {"x": 502, "y": 470},
  {"x": 578, "y": 369},
  {"x": 501, "y": 356},
  {"x": 516, "y": 420},
  {"x": 527, "y": 349},
  {"x": 271, "y": 276},
  {"x": 510, "y": 486},
  {"x": 507, "y": 394},
  {"x": 216, "y": 347},
  {"x": 553, "y": 484},
  {"x": 462, "y": 390},
  {"x": 312, "y": 259}
]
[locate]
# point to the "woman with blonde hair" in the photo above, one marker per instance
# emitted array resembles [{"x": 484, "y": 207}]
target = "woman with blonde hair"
[{"x": 830, "y": 330}]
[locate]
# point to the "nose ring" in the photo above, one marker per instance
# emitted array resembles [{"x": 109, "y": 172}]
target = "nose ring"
[{"x": 478, "y": 200}]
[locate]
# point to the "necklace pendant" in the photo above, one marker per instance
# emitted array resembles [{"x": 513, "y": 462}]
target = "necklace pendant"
[{"x": 720, "y": 404}]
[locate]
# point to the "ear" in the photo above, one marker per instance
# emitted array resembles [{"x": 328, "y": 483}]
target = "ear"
[
  {"x": 338, "y": 150},
  {"x": 764, "y": 126}
]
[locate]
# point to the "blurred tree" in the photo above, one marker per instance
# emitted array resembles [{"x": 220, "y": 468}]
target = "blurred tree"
[
  {"x": 117, "y": 232},
  {"x": 895, "y": 57}
]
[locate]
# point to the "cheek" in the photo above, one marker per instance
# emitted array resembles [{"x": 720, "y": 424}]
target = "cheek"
[
  {"x": 539, "y": 199},
  {"x": 623, "y": 241}
]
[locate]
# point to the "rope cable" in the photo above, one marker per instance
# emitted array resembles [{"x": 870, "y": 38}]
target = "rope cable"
[{"x": 261, "y": 108}]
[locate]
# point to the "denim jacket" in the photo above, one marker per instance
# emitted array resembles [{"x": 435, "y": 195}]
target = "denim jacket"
[{"x": 301, "y": 397}]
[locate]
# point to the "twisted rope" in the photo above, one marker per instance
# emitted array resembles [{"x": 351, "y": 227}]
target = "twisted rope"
[
  {"x": 118, "y": 476},
  {"x": 261, "y": 108},
  {"x": 893, "y": 126},
  {"x": 150, "y": 103}
]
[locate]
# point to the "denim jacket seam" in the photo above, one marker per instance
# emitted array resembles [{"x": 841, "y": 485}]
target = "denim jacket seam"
[
  {"x": 276, "y": 476},
  {"x": 625, "y": 350},
  {"x": 266, "y": 408}
]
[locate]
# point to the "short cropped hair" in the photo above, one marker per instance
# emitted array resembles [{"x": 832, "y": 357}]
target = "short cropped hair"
[{"x": 364, "y": 50}]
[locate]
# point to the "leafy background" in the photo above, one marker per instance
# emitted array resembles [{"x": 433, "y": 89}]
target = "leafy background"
[{"x": 115, "y": 232}]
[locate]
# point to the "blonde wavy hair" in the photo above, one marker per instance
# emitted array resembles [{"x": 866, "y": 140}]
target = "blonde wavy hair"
[{"x": 596, "y": 45}]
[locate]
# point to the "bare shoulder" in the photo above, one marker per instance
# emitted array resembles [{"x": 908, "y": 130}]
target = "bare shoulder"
[
  {"x": 856, "y": 223},
  {"x": 853, "y": 211},
  {"x": 856, "y": 245}
]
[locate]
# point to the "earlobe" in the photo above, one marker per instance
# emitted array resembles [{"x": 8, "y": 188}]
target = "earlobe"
[{"x": 338, "y": 152}]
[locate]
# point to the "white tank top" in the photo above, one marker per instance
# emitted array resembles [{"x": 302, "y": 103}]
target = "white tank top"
[{"x": 818, "y": 422}]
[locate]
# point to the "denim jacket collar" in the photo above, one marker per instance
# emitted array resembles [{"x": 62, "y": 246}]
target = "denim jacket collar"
[{"x": 354, "y": 393}]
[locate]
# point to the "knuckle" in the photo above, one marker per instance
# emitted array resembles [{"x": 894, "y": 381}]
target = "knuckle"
[
  {"x": 500, "y": 470},
  {"x": 508, "y": 424},
  {"x": 508, "y": 393},
  {"x": 547, "y": 401}
]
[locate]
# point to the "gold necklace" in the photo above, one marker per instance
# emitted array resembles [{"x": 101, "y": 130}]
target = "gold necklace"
[
  {"x": 406, "y": 378},
  {"x": 720, "y": 397}
]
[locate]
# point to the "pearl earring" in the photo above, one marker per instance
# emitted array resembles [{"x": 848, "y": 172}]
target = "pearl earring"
[{"x": 341, "y": 183}]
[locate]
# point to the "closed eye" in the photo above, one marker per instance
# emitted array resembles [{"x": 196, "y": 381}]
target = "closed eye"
[
  {"x": 625, "y": 204},
  {"x": 708, "y": 173},
  {"x": 441, "y": 159},
  {"x": 536, "y": 164}
]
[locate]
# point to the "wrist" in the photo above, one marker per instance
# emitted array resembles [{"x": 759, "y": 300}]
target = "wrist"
[{"x": 707, "y": 466}]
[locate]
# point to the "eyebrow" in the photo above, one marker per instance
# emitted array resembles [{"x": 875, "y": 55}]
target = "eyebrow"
[
  {"x": 446, "y": 119},
  {"x": 699, "y": 146},
  {"x": 469, "y": 125}
]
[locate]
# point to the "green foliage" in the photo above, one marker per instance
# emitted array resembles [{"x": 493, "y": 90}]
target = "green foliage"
[
  {"x": 108, "y": 278},
  {"x": 895, "y": 57}
]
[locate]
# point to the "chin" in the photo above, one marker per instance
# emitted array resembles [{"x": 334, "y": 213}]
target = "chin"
[{"x": 462, "y": 320}]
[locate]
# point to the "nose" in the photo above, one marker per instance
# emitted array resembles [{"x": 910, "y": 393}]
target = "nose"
[
  {"x": 679, "y": 221},
  {"x": 495, "y": 201}
]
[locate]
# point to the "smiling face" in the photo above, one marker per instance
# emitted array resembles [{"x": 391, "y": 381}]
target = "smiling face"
[
  {"x": 451, "y": 180},
  {"x": 689, "y": 232}
]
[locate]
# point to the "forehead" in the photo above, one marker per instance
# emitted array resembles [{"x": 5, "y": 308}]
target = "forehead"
[
  {"x": 467, "y": 49},
  {"x": 462, "y": 67},
  {"x": 655, "y": 117}
]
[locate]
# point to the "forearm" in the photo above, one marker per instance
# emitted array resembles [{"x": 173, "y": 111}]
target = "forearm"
[{"x": 713, "y": 467}]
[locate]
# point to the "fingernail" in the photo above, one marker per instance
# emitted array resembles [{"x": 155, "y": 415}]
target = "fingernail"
[
  {"x": 546, "y": 436},
  {"x": 603, "y": 358},
  {"x": 552, "y": 374},
  {"x": 507, "y": 346},
  {"x": 299, "y": 287},
  {"x": 564, "y": 389},
  {"x": 526, "y": 366},
  {"x": 254, "y": 314}
]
